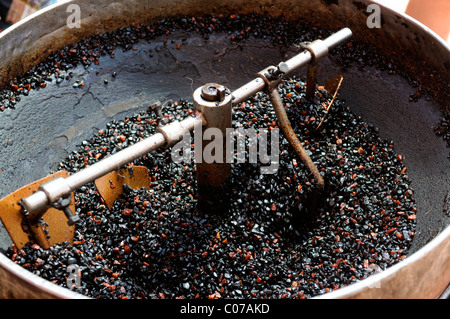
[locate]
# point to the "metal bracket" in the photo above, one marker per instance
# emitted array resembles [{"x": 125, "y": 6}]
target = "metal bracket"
[
  {"x": 63, "y": 204},
  {"x": 111, "y": 185},
  {"x": 44, "y": 229}
]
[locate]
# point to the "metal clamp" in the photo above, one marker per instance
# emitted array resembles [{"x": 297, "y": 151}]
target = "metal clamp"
[
  {"x": 174, "y": 132},
  {"x": 63, "y": 204}
]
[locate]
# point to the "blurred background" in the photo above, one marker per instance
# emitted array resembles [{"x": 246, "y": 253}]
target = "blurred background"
[
  {"x": 12, "y": 11},
  {"x": 435, "y": 14}
]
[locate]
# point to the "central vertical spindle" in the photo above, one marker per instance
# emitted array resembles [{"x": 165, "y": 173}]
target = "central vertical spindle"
[{"x": 213, "y": 171}]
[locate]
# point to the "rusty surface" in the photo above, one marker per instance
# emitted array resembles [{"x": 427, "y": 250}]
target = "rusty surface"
[
  {"x": 285, "y": 125},
  {"x": 110, "y": 186},
  {"x": 311, "y": 80},
  {"x": 48, "y": 231},
  {"x": 332, "y": 86},
  {"x": 213, "y": 182},
  {"x": 213, "y": 174}
]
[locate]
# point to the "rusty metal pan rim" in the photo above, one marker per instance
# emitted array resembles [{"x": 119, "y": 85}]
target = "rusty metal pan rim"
[
  {"x": 33, "y": 16},
  {"x": 64, "y": 2},
  {"x": 376, "y": 280},
  {"x": 40, "y": 283}
]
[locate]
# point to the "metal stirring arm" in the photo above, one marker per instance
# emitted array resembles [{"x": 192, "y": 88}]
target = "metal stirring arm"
[
  {"x": 57, "y": 188},
  {"x": 207, "y": 113}
]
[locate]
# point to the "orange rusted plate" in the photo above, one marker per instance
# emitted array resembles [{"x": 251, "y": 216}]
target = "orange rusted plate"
[
  {"x": 51, "y": 229},
  {"x": 332, "y": 86},
  {"x": 110, "y": 186}
]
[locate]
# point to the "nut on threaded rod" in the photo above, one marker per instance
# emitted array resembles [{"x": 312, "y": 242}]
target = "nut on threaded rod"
[{"x": 213, "y": 92}]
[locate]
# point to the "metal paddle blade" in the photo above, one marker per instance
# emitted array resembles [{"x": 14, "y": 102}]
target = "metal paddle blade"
[
  {"x": 50, "y": 229},
  {"x": 332, "y": 87},
  {"x": 110, "y": 186}
]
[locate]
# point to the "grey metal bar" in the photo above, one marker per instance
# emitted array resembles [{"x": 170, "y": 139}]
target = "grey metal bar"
[
  {"x": 247, "y": 90},
  {"x": 62, "y": 187},
  {"x": 337, "y": 38}
]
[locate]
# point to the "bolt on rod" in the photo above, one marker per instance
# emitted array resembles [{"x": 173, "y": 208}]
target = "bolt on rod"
[{"x": 214, "y": 104}]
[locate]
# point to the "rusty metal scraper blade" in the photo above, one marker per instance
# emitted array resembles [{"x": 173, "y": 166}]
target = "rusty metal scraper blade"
[
  {"x": 110, "y": 186},
  {"x": 51, "y": 229},
  {"x": 332, "y": 87}
]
